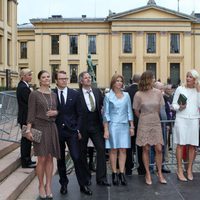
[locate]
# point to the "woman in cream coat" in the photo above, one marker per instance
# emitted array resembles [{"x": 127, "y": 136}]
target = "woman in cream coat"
[{"x": 186, "y": 128}]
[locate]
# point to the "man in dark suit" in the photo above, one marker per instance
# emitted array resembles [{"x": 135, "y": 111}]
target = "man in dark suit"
[
  {"x": 129, "y": 156},
  {"x": 92, "y": 125},
  {"x": 23, "y": 91},
  {"x": 68, "y": 123}
]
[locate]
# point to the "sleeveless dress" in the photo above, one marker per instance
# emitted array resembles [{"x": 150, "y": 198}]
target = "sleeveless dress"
[
  {"x": 149, "y": 104},
  {"x": 38, "y": 105}
]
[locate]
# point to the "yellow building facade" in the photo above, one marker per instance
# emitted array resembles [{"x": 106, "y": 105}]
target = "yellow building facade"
[
  {"x": 150, "y": 37},
  {"x": 8, "y": 43}
]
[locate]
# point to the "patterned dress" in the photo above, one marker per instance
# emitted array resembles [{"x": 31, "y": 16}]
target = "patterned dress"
[
  {"x": 149, "y": 125},
  {"x": 39, "y": 103}
]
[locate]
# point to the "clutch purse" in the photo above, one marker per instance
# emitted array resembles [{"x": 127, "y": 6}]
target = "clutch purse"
[
  {"x": 182, "y": 99},
  {"x": 37, "y": 134}
]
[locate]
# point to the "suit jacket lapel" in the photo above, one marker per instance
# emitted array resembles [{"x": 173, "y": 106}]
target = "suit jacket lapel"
[
  {"x": 96, "y": 98},
  {"x": 83, "y": 103}
]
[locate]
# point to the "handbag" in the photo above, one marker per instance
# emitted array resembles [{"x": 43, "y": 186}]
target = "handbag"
[
  {"x": 37, "y": 134},
  {"x": 182, "y": 99}
]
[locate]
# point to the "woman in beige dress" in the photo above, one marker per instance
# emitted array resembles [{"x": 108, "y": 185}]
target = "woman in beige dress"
[
  {"x": 41, "y": 115},
  {"x": 147, "y": 103}
]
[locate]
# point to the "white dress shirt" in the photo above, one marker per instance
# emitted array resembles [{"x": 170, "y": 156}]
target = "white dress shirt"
[
  {"x": 87, "y": 100},
  {"x": 64, "y": 94}
]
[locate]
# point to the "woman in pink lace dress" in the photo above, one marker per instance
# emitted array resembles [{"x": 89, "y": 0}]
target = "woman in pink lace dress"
[{"x": 147, "y": 103}]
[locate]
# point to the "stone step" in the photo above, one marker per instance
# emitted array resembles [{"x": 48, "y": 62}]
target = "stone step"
[
  {"x": 9, "y": 163},
  {"x": 7, "y": 147},
  {"x": 13, "y": 179},
  {"x": 31, "y": 191},
  {"x": 15, "y": 183}
]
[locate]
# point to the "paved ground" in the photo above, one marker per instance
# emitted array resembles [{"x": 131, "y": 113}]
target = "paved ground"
[{"x": 136, "y": 189}]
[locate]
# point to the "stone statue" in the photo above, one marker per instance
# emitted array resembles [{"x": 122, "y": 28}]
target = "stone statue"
[{"x": 90, "y": 68}]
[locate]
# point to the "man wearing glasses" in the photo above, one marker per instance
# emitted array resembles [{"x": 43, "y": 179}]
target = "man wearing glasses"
[{"x": 68, "y": 122}]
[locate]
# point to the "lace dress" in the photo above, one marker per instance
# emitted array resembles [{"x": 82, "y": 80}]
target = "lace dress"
[{"x": 149, "y": 126}]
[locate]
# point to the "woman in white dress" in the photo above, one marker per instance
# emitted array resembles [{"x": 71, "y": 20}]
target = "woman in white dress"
[{"x": 186, "y": 128}]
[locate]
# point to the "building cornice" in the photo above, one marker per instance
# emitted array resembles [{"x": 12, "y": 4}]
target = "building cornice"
[{"x": 15, "y": 1}]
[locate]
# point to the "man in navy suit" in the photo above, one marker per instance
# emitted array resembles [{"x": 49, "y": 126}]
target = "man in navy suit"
[
  {"x": 68, "y": 123},
  {"x": 92, "y": 125},
  {"x": 23, "y": 91},
  {"x": 132, "y": 89}
]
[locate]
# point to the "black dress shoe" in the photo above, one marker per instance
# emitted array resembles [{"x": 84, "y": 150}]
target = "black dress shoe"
[
  {"x": 89, "y": 183},
  {"x": 29, "y": 166},
  {"x": 115, "y": 179},
  {"x": 86, "y": 190},
  {"x": 129, "y": 172},
  {"x": 33, "y": 162},
  {"x": 103, "y": 183},
  {"x": 122, "y": 179},
  {"x": 92, "y": 167},
  {"x": 167, "y": 171},
  {"x": 63, "y": 189}
]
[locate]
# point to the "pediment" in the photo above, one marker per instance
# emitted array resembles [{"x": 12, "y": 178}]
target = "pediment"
[{"x": 151, "y": 13}]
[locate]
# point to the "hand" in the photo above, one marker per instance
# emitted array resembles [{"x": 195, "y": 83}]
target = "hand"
[
  {"x": 197, "y": 86},
  {"x": 106, "y": 134},
  {"x": 29, "y": 136},
  {"x": 182, "y": 107},
  {"x": 79, "y": 136},
  {"x": 51, "y": 113},
  {"x": 131, "y": 132}
]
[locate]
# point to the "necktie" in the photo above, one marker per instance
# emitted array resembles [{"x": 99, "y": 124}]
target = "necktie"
[
  {"x": 62, "y": 99},
  {"x": 91, "y": 101}
]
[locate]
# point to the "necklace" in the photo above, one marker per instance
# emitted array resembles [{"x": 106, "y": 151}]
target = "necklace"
[{"x": 49, "y": 106}]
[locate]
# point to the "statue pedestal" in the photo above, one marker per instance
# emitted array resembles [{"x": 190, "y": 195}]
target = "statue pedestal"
[{"x": 94, "y": 84}]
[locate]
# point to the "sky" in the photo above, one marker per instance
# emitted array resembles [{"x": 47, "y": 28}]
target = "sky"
[{"x": 28, "y": 9}]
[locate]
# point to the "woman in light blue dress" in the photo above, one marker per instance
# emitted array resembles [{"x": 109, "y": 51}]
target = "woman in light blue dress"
[{"x": 118, "y": 126}]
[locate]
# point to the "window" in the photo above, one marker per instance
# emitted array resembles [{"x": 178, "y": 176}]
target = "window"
[
  {"x": 127, "y": 70},
  {"x": 1, "y": 9},
  {"x": 9, "y": 12},
  {"x": 92, "y": 44},
  {"x": 9, "y": 52},
  {"x": 54, "y": 69},
  {"x": 175, "y": 74},
  {"x": 175, "y": 43},
  {"x": 23, "y": 50},
  {"x": 73, "y": 44},
  {"x": 151, "y": 67},
  {"x": 127, "y": 43},
  {"x": 73, "y": 73},
  {"x": 151, "y": 43},
  {"x": 1, "y": 49},
  {"x": 55, "y": 44}
]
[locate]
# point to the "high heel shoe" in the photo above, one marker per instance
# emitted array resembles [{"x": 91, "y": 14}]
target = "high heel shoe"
[
  {"x": 181, "y": 178},
  {"x": 50, "y": 196},
  {"x": 42, "y": 193},
  {"x": 190, "y": 176},
  {"x": 148, "y": 181},
  {"x": 162, "y": 180},
  {"x": 42, "y": 196},
  {"x": 115, "y": 179},
  {"x": 122, "y": 179}
]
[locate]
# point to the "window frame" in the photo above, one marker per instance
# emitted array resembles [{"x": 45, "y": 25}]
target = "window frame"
[
  {"x": 173, "y": 50},
  {"x": 55, "y": 45},
  {"x": 127, "y": 42},
  {"x": 92, "y": 44},
  {"x": 23, "y": 50},
  {"x": 151, "y": 43},
  {"x": 73, "y": 50}
]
